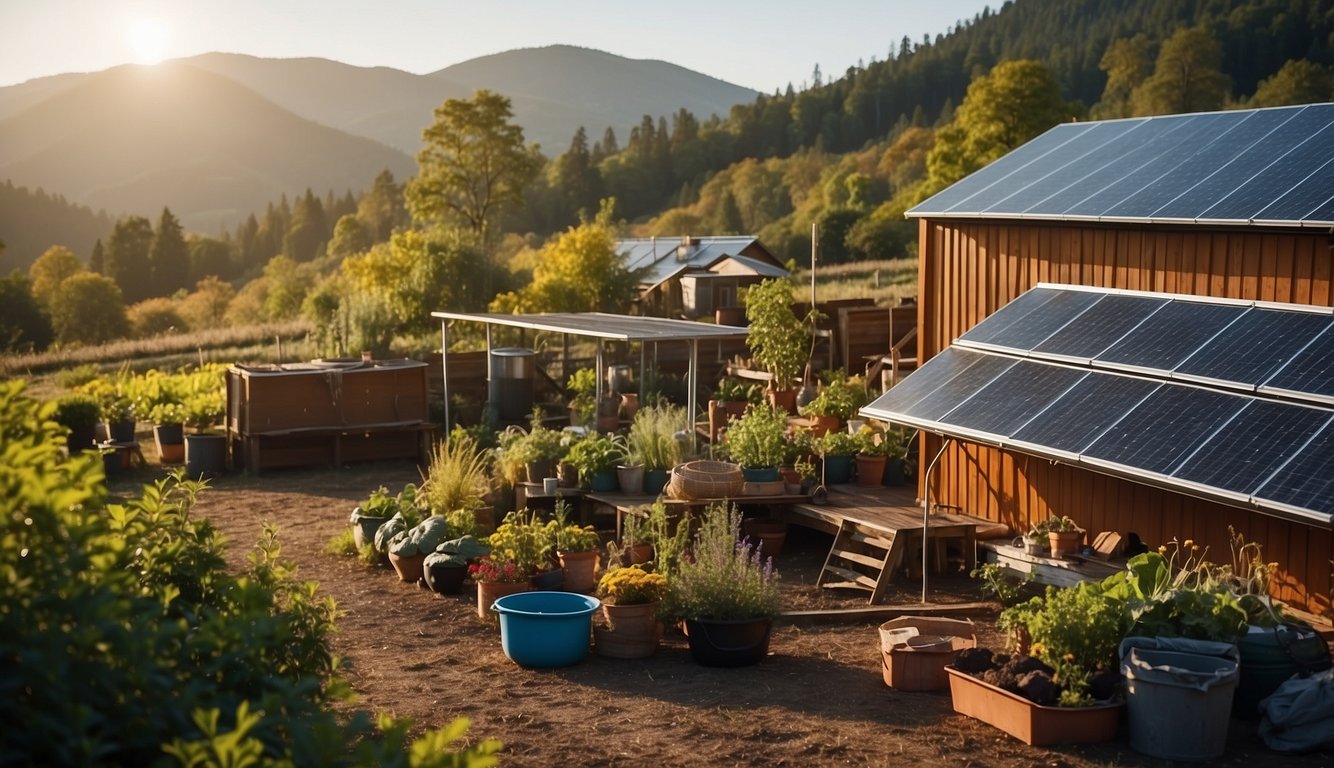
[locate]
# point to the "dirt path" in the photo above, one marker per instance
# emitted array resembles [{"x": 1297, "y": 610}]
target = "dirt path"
[{"x": 817, "y": 700}]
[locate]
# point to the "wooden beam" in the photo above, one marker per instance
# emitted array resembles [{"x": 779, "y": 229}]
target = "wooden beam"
[{"x": 882, "y": 612}]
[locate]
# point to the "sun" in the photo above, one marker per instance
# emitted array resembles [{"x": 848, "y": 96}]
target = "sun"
[{"x": 147, "y": 38}]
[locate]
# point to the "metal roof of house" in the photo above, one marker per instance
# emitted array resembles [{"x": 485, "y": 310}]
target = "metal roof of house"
[
  {"x": 1258, "y": 167},
  {"x": 664, "y": 257},
  {"x": 1222, "y": 399}
]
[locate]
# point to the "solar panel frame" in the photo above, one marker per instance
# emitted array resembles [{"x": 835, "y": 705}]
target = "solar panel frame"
[
  {"x": 923, "y": 381},
  {"x": 1013, "y": 398},
  {"x": 1033, "y": 327},
  {"x": 1305, "y": 479},
  {"x": 1163, "y": 341},
  {"x": 1301, "y": 375},
  {"x": 1026, "y": 302},
  {"x": 1253, "y": 348},
  {"x": 1280, "y": 177},
  {"x": 1081, "y": 415},
  {"x": 1099, "y": 327},
  {"x": 1162, "y": 430},
  {"x": 1247, "y": 451}
]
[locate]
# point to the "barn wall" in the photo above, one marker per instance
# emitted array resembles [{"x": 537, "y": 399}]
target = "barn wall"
[{"x": 968, "y": 270}]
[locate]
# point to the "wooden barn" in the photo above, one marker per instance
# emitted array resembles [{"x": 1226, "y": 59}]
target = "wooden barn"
[
  {"x": 696, "y": 276},
  {"x": 1129, "y": 322}
]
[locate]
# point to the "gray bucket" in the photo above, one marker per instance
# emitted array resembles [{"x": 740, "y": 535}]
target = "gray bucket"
[{"x": 1178, "y": 696}]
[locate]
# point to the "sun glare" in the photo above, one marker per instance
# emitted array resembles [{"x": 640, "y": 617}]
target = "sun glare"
[{"x": 147, "y": 38}]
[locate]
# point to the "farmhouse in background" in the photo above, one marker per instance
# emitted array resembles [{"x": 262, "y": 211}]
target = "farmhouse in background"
[
  {"x": 694, "y": 276},
  {"x": 1129, "y": 322}
]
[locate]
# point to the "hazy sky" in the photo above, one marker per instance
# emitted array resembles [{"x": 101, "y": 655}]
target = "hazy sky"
[{"x": 761, "y": 44}]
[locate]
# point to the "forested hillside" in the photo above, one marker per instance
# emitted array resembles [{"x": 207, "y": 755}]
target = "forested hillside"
[
  {"x": 33, "y": 220},
  {"x": 847, "y": 154}
]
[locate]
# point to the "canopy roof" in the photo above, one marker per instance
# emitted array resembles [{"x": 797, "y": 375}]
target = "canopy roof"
[
  {"x": 604, "y": 326},
  {"x": 1257, "y": 167},
  {"x": 1225, "y": 400}
]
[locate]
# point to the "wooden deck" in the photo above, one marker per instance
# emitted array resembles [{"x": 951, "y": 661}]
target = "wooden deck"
[{"x": 878, "y": 534}]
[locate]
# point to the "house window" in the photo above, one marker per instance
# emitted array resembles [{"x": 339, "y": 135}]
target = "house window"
[{"x": 725, "y": 296}]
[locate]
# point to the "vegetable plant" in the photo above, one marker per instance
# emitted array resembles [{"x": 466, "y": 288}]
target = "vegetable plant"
[{"x": 758, "y": 439}]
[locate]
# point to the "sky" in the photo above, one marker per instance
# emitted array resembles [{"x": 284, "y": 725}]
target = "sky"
[{"x": 760, "y": 44}]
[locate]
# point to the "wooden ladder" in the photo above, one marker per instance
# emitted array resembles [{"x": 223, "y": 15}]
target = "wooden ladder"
[{"x": 863, "y": 558}]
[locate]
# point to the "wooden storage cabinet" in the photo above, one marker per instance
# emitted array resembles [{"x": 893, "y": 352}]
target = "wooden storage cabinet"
[{"x": 311, "y": 414}]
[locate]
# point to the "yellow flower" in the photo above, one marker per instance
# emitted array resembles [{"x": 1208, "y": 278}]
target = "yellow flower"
[
  {"x": 1162, "y": 549},
  {"x": 1189, "y": 543}
]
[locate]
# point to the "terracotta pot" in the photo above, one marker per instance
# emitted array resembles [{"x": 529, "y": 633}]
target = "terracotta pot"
[
  {"x": 629, "y": 405},
  {"x": 488, "y": 591},
  {"x": 614, "y": 645},
  {"x": 823, "y": 425},
  {"x": 633, "y": 620},
  {"x": 567, "y": 475},
  {"x": 641, "y": 553},
  {"x": 170, "y": 440},
  {"x": 1065, "y": 543},
  {"x": 1032, "y": 723},
  {"x": 768, "y": 533},
  {"x": 580, "y": 569},
  {"x": 408, "y": 568},
  {"x": 870, "y": 469},
  {"x": 782, "y": 398}
]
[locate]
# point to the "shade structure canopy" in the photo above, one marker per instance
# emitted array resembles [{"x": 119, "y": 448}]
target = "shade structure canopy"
[
  {"x": 601, "y": 326},
  {"x": 1221, "y": 399}
]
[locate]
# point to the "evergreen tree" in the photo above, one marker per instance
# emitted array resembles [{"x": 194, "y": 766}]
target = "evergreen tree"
[
  {"x": 381, "y": 209},
  {"x": 1186, "y": 77},
  {"x": 1127, "y": 62},
  {"x": 23, "y": 324},
  {"x": 127, "y": 258},
  {"x": 308, "y": 233},
  {"x": 578, "y": 181},
  {"x": 97, "y": 259},
  {"x": 169, "y": 258}
]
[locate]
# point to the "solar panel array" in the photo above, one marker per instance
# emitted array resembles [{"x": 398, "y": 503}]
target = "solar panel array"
[
  {"x": 1226, "y": 399},
  {"x": 1262, "y": 166}
]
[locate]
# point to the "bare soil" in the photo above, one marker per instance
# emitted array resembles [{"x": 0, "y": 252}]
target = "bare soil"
[{"x": 818, "y": 699}]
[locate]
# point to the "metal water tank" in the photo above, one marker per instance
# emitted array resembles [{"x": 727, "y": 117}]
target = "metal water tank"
[
  {"x": 510, "y": 382},
  {"x": 619, "y": 379}
]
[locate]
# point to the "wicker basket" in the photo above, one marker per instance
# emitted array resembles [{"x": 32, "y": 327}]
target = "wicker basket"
[{"x": 706, "y": 480}]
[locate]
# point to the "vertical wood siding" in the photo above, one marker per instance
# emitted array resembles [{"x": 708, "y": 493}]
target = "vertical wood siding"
[{"x": 968, "y": 270}]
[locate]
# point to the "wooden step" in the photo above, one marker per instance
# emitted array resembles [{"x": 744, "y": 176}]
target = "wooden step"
[
  {"x": 852, "y": 579},
  {"x": 862, "y": 559}
]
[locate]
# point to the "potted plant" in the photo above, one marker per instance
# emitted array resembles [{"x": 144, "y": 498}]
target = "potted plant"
[
  {"x": 730, "y": 399},
  {"x": 596, "y": 456},
  {"x": 873, "y": 451},
  {"x": 408, "y": 548},
  {"x": 1064, "y": 536},
  {"x": 583, "y": 387},
  {"x": 630, "y": 470},
  {"x": 77, "y": 412},
  {"x": 530, "y": 543},
  {"x": 838, "y": 399},
  {"x": 652, "y": 438},
  {"x": 496, "y": 575},
  {"x": 836, "y": 450},
  {"x": 630, "y": 598},
  {"x": 445, "y": 569},
  {"x": 205, "y": 450},
  {"x": 537, "y": 451},
  {"x": 455, "y": 484},
  {"x": 577, "y": 548},
  {"x": 777, "y": 338},
  {"x": 168, "y": 419},
  {"x": 757, "y": 441},
  {"x": 375, "y": 511},
  {"x": 726, "y": 594}
]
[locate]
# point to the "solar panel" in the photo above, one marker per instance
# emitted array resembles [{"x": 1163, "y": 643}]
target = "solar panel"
[
  {"x": 1307, "y": 201},
  {"x": 1033, "y": 327},
  {"x": 1140, "y": 168},
  {"x": 1310, "y": 371},
  {"x": 1098, "y": 327},
  {"x": 1079, "y": 416},
  {"x": 950, "y": 393},
  {"x": 1170, "y": 335},
  {"x": 1307, "y": 480},
  {"x": 1275, "y": 180},
  {"x": 925, "y": 380},
  {"x": 1269, "y": 166},
  {"x": 1164, "y": 429},
  {"x": 953, "y": 195},
  {"x": 1245, "y": 452},
  {"x": 1013, "y": 398},
  {"x": 1253, "y": 347},
  {"x": 1199, "y": 165},
  {"x": 1052, "y": 165},
  {"x": 997, "y": 321}
]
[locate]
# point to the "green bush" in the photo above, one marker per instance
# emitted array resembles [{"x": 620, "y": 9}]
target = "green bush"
[{"x": 124, "y": 640}]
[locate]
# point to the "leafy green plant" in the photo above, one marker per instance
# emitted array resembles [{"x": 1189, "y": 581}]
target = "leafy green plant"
[
  {"x": 836, "y": 443},
  {"x": 76, "y": 410},
  {"x": 128, "y": 635},
  {"x": 997, "y": 582},
  {"x": 758, "y": 439},
  {"x": 726, "y": 579},
  {"x": 735, "y": 390},
  {"x": 583, "y": 385},
  {"x": 777, "y": 338},
  {"x": 524, "y": 540},
  {"x": 841, "y": 396},
  {"x": 595, "y": 453},
  {"x": 873, "y": 442},
  {"x": 572, "y": 537}
]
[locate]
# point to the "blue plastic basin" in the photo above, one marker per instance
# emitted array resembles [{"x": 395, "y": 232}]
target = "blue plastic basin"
[{"x": 545, "y": 629}]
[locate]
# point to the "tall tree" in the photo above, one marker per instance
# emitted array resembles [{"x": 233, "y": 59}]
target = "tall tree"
[
  {"x": 1127, "y": 62},
  {"x": 308, "y": 232},
  {"x": 349, "y": 237},
  {"x": 169, "y": 258},
  {"x": 23, "y": 325},
  {"x": 1187, "y": 77},
  {"x": 97, "y": 259},
  {"x": 381, "y": 209},
  {"x": 127, "y": 258},
  {"x": 1298, "y": 82},
  {"x": 88, "y": 309},
  {"x": 56, "y": 265},
  {"x": 210, "y": 256},
  {"x": 577, "y": 179},
  {"x": 474, "y": 164}
]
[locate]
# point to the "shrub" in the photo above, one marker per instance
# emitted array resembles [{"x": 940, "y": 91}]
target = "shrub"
[
  {"x": 124, "y": 634},
  {"x": 727, "y": 579}
]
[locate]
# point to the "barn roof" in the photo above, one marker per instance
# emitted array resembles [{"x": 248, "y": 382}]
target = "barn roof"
[
  {"x": 1223, "y": 399},
  {"x": 1257, "y": 167}
]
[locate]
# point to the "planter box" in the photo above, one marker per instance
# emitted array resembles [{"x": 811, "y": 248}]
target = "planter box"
[
  {"x": 1032, "y": 723},
  {"x": 906, "y": 668}
]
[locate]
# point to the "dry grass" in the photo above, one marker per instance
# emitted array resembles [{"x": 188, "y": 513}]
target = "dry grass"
[{"x": 886, "y": 281}]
